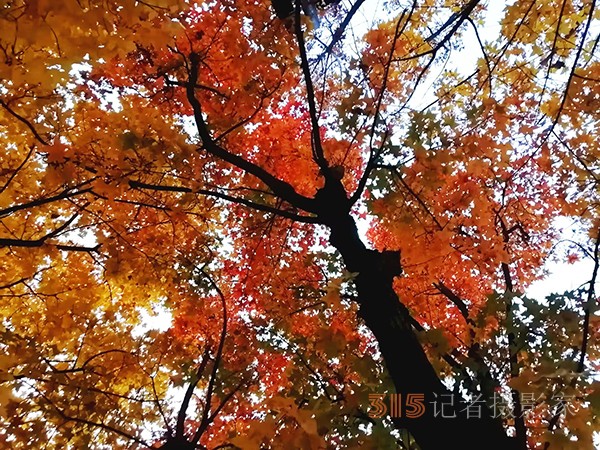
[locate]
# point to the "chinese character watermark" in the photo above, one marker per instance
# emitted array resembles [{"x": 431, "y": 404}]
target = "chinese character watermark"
[{"x": 412, "y": 405}]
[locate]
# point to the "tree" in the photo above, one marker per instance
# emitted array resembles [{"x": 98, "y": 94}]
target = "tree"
[{"x": 311, "y": 232}]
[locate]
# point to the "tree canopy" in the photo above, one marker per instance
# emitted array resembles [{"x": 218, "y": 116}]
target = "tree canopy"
[{"x": 266, "y": 224}]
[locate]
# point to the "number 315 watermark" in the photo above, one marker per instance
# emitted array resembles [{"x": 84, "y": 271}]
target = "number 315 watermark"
[{"x": 413, "y": 406}]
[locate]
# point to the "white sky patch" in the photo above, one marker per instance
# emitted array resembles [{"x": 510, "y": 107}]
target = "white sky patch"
[
  {"x": 161, "y": 320},
  {"x": 563, "y": 276}
]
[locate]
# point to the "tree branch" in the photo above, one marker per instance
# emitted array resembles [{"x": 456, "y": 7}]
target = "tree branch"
[
  {"x": 42, "y": 201},
  {"x": 280, "y": 188},
  {"x": 257, "y": 206},
  {"x": 181, "y": 415},
  {"x": 16, "y": 171},
  {"x": 458, "y": 302},
  {"x": 317, "y": 146},
  {"x": 24, "y": 121},
  {"x": 591, "y": 298},
  {"x": 339, "y": 32},
  {"x": 9, "y": 242},
  {"x": 206, "y": 414}
]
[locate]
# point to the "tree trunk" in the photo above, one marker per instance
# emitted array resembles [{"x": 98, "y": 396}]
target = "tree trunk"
[{"x": 406, "y": 361}]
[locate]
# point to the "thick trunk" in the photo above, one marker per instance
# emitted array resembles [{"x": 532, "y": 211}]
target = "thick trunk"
[{"x": 404, "y": 356}]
